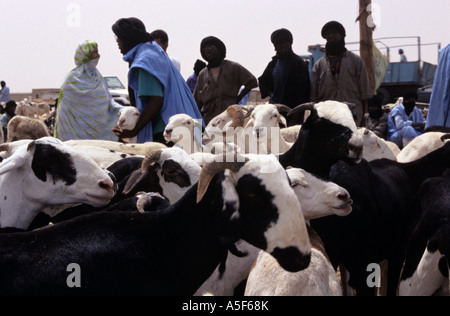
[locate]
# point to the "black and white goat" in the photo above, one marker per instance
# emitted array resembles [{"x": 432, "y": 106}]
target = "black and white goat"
[
  {"x": 48, "y": 172},
  {"x": 427, "y": 263},
  {"x": 170, "y": 172},
  {"x": 328, "y": 135},
  {"x": 167, "y": 252}
]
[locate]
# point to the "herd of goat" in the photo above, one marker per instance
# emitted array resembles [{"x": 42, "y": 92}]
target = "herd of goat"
[{"x": 241, "y": 207}]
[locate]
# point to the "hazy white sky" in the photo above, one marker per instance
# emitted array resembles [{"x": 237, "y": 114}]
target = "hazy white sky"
[{"x": 38, "y": 37}]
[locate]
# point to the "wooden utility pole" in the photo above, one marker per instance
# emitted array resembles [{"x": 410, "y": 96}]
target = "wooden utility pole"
[{"x": 366, "y": 27}]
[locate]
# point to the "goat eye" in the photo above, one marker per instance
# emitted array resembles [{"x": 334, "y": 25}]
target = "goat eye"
[{"x": 296, "y": 184}]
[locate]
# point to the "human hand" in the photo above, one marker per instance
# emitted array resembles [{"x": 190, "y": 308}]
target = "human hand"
[{"x": 123, "y": 133}]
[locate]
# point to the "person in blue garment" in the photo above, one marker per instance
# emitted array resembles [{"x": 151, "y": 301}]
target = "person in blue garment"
[
  {"x": 439, "y": 110},
  {"x": 405, "y": 121},
  {"x": 156, "y": 87}
]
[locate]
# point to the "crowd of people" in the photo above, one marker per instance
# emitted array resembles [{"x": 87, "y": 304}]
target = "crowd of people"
[{"x": 86, "y": 109}]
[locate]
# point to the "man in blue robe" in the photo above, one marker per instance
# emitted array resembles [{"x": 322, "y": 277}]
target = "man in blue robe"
[{"x": 156, "y": 87}]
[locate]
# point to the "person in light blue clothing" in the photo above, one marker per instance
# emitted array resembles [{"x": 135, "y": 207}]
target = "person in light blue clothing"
[
  {"x": 439, "y": 110},
  {"x": 405, "y": 121},
  {"x": 156, "y": 87},
  {"x": 86, "y": 109},
  {"x": 4, "y": 93}
]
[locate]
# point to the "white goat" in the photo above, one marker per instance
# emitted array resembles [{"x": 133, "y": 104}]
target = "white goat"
[
  {"x": 137, "y": 149},
  {"x": 265, "y": 131},
  {"x": 128, "y": 117},
  {"x": 421, "y": 146},
  {"x": 375, "y": 147},
  {"x": 48, "y": 172},
  {"x": 267, "y": 278},
  {"x": 185, "y": 132}
]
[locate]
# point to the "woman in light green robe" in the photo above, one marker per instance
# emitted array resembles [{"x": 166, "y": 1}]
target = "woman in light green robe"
[{"x": 86, "y": 109}]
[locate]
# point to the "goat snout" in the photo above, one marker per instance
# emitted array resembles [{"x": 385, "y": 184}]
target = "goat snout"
[
  {"x": 346, "y": 204},
  {"x": 259, "y": 131},
  {"x": 344, "y": 197},
  {"x": 109, "y": 185}
]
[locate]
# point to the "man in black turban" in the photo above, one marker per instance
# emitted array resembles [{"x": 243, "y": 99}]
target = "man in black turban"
[
  {"x": 286, "y": 77},
  {"x": 207, "y": 42},
  {"x": 219, "y": 85},
  {"x": 340, "y": 75},
  {"x": 129, "y": 33}
]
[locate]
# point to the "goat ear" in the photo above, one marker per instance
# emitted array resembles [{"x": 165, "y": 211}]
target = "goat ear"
[
  {"x": 229, "y": 221},
  {"x": 249, "y": 123},
  {"x": 282, "y": 120},
  {"x": 15, "y": 161}
]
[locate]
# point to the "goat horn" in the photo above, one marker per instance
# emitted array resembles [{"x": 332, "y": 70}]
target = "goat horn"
[
  {"x": 445, "y": 136},
  {"x": 150, "y": 158},
  {"x": 4, "y": 147},
  {"x": 249, "y": 112},
  {"x": 210, "y": 169},
  {"x": 283, "y": 108},
  {"x": 142, "y": 202},
  {"x": 294, "y": 114},
  {"x": 237, "y": 115},
  {"x": 137, "y": 176}
]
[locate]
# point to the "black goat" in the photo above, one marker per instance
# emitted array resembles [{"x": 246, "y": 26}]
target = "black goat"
[{"x": 385, "y": 210}]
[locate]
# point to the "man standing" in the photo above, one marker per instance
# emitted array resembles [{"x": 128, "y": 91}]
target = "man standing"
[
  {"x": 219, "y": 84},
  {"x": 161, "y": 37},
  {"x": 402, "y": 56},
  {"x": 340, "y": 75},
  {"x": 4, "y": 93},
  {"x": 286, "y": 77}
]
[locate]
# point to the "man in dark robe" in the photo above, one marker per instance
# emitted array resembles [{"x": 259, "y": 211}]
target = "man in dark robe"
[{"x": 286, "y": 78}]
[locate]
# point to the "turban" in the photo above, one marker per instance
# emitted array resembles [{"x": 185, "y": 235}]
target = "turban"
[
  {"x": 211, "y": 40},
  {"x": 131, "y": 31},
  {"x": 333, "y": 25},
  {"x": 281, "y": 35}
]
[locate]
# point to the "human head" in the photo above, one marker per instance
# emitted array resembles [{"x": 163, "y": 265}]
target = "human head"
[
  {"x": 3, "y": 83},
  {"x": 282, "y": 40},
  {"x": 331, "y": 27},
  {"x": 400, "y": 51},
  {"x": 213, "y": 50},
  {"x": 161, "y": 37},
  {"x": 375, "y": 106},
  {"x": 409, "y": 100},
  {"x": 10, "y": 107},
  {"x": 198, "y": 66},
  {"x": 129, "y": 33},
  {"x": 86, "y": 52},
  {"x": 334, "y": 33}
]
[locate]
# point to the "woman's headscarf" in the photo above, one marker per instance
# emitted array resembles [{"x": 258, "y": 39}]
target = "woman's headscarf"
[{"x": 85, "y": 109}]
